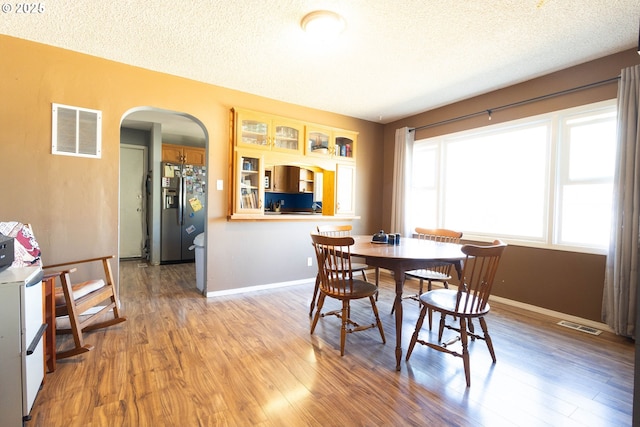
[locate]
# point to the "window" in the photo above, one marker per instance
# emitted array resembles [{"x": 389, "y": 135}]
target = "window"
[
  {"x": 76, "y": 131},
  {"x": 543, "y": 181}
]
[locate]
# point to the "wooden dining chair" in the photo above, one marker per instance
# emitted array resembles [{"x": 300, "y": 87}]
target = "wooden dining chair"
[
  {"x": 440, "y": 273},
  {"x": 469, "y": 301},
  {"x": 338, "y": 231},
  {"x": 333, "y": 255}
]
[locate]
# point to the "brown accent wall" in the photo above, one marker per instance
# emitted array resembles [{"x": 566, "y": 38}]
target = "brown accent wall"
[{"x": 567, "y": 282}]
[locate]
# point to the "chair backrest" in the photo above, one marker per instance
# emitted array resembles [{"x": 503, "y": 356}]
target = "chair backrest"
[
  {"x": 335, "y": 230},
  {"x": 478, "y": 274},
  {"x": 439, "y": 235},
  {"x": 334, "y": 263}
]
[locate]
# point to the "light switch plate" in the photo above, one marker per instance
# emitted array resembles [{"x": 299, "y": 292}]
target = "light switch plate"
[{"x": 219, "y": 185}]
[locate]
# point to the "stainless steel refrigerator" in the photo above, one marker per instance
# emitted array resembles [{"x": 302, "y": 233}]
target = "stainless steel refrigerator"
[{"x": 182, "y": 216}]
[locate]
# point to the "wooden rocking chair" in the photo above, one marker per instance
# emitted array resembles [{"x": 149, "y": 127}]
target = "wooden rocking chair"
[{"x": 86, "y": 304}]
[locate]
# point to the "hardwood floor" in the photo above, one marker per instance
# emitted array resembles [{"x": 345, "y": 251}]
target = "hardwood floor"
[{"x": 248, "y": 360}]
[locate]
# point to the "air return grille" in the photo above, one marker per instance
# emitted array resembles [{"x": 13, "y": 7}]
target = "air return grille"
[
  {"x": 578, "y": 327},
  {"x": 76, "y": 131}
]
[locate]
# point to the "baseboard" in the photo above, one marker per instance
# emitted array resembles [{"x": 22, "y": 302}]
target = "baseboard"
[
  {"x": 535, "y": 309},
  {"x": 260, "y": 287},
  {"x": 558, "y": 315},
  {"x": 501, "y": 300}
]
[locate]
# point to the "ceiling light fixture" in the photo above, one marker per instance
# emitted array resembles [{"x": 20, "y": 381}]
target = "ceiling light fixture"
[{"x": 323, "y": 23}]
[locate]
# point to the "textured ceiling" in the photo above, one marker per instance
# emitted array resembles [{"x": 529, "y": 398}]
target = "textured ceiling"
[{"x": 395, "y": 58}]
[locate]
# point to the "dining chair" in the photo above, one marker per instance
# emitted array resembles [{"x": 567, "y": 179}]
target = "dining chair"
[
  {"x": 469, "y": 301},
  {"x": 434, "y": 272},
  {"x": 338, "y": 231},
  {"x": 333, "y": 255}
]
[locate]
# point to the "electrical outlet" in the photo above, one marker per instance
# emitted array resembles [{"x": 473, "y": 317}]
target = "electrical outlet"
[{"x": 309, "y": 262}]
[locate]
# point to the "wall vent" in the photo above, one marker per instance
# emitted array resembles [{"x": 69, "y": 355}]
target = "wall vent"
[
  {"x": 76, "y": 131},
  {"x": 578, "y": 327}
]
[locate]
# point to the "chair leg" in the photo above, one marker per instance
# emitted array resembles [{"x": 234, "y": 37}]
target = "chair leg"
[
  {"x": 377, "y": 281},
  {"x": 487, "y": 338},
  {"x": 315, "y": 295},
  {"x": 441, "y": 327},
  {"x": 465, "y": 350},
  {"x": 318, "y": 310},
  {"x": 430, "y": 311},
  {"x": 414, "y": 337},
  {"x": 343, "y": 328},
  {"x": 378, "y": 322}
]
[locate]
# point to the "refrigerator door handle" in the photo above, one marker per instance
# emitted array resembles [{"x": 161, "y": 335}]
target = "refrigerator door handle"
[{"x": 181, "y": 201}]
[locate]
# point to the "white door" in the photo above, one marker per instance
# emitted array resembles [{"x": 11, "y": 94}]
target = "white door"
[{"x": 132, "y": 212}]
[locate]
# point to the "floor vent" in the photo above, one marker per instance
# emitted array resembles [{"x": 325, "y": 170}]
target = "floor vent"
[
  {"x": 578, "y": 327},
  {"x": 142, "y": 265}
]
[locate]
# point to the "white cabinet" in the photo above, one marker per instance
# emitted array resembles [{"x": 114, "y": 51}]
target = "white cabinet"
[
  {"x": 21, "y": 343},
  {"x": 345, "y": 189}
]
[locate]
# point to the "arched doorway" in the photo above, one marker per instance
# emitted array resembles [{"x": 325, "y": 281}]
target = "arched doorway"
[{"x": 142, "y": 206}]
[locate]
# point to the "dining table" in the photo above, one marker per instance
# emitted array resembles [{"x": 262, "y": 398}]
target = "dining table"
[{"x": 409, "y": 254}]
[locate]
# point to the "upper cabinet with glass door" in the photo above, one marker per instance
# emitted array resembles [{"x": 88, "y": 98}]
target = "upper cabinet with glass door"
[
  {"x": 264, "y": 131},
  {"x": 249, "y": 184},
  {"x": 330, "y": 142},
  {"x": 345, "y": 144}
]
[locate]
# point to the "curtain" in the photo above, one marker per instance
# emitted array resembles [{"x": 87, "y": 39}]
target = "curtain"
[
  {"x": 621, "y": 275},
  {"x": 401, "y": 181}
]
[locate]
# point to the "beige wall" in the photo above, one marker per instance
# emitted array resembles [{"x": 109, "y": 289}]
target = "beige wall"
[
  {"x": 567, "y": 282},
  {"x": 72, "y": 202}
]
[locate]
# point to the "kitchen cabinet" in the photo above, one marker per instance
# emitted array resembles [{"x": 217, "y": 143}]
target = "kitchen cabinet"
[
  {"x": 306, "y": 181},
  {"x": 318, "y": 188},
  {"x": 285, "y": 179},
  {"x": 344, "y": 145},
  {"x": 289, "y": 179},
  {"x": 272, "y": 154},
  {"x": 330, "y": 142},
  {"x": 345, "y": 189},
  {"x": 249, "y": 187},
  {"x": 183, "y": 154},
  {"x": 21, "y": 345},
  {"x": 268, "y": 132}
]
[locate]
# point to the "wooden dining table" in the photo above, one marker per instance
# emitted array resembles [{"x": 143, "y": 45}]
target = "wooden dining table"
[{"x": 410, "y": 254}]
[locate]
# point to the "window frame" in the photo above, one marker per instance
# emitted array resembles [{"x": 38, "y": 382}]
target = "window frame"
[{"x": 556, "y": 123}]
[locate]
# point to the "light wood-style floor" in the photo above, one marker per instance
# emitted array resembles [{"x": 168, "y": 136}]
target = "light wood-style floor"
[{"x": 248, "y": 360}]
